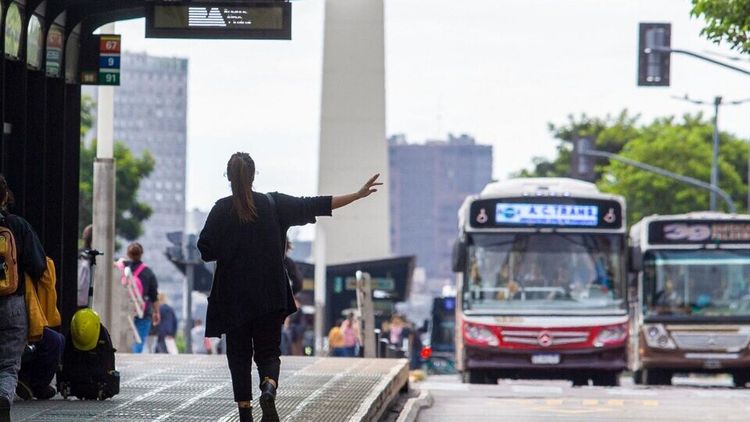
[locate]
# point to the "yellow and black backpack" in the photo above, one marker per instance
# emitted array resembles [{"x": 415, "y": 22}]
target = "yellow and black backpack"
[{"x": 8, "y": 260}]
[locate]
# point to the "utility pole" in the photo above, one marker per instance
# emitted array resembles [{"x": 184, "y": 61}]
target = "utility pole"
[
  {"x": 715, "y": 158},
  {"x": 717, "y": 103},
  {"x": 107, "y": 299}
]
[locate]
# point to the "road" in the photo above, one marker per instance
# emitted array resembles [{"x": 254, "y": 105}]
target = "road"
[{"x": 689, "y": 399}]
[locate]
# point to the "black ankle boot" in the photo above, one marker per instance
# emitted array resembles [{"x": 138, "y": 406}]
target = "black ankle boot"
[
  {"x": 268, "y": 402},
  {"x": 246, "y": 414}
]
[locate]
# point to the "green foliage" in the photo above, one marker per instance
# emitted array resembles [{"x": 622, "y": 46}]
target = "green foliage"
[
  {"x": 683, "y": 147},
  {"x": 726, "y": 20},
  {"x": 130, "y": 170},
  {"x": 610, "y": 134}
]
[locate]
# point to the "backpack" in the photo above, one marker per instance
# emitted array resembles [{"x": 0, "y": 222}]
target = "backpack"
[
  {"x": 8, "y": 260},
  {"x": 137, "y": 283},
  {"x": 89, "y": 375}
]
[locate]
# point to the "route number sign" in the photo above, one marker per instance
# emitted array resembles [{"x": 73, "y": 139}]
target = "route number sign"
[{"x": 101, "y": 65}]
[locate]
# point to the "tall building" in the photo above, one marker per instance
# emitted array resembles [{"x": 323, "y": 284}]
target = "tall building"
[
  {"x": 428, "y": 184},
  {"x": 151, "y": 115}
]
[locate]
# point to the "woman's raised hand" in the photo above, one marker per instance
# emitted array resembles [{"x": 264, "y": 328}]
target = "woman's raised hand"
[{"x": 369, "y": 187}]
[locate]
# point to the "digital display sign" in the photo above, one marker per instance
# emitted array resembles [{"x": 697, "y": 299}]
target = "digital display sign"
[
  {"x": 226, "y": 20},
  {"x": 555, "y": 214},
  {"x": 546, "y": 212},
  {"x": 679, "y": 232}
]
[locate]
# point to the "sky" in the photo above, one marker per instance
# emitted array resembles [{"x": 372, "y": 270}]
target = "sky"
[{"x": 496, "y": 69}]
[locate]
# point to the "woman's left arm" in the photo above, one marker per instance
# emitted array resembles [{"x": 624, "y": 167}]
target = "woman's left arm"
[{"x": 339, "y": 201}]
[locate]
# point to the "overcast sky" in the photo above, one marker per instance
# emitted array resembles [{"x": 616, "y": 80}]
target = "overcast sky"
[{"x": 496, "y": 69}]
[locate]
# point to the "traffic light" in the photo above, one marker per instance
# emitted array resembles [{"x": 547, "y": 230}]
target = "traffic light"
[
  {"x": 653, "y": 66},
  {"x": 582, "y": 165},
  {"x": 174, "y": 252}
]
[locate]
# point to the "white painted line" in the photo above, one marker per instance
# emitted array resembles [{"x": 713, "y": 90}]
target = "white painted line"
[
  {"x": 322, "y": 389},
  {"x": 532, "y": 389},
  {"x": 144, "y": 396},
  {"x": 190, "y": 402},
  {"x": 623, "y": 392},
  {"x": 439, "y": 386}
]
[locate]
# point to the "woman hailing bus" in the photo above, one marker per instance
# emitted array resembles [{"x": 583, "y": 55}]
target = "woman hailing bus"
[{"x": 245, "y": 234}]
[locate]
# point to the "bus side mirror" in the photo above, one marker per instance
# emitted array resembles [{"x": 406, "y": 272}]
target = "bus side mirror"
[
  {"x": 459, "y": 256},
  {"x": 635, "y": 259}
]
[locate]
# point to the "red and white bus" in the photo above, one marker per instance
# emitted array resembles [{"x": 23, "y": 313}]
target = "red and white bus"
[{"x": 541, "y": 282}]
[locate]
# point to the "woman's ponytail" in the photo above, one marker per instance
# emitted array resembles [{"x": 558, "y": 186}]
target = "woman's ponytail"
[{"x": 241, "y": 173}]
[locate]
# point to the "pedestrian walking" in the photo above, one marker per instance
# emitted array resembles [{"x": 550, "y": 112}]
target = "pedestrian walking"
[
  {"x": 336, "y": 340},
  {"x": 245, "y": 234},
  {"x": 21, "y": 253},
  {"x": 167, "y": 328},
  {"x": 148, "y": 288},
  {"x": 350, "y": 330},
  {"x": 84, "y": 266}
]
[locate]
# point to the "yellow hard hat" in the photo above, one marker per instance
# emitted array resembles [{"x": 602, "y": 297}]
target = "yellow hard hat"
[{"x": 84, "y": 329}]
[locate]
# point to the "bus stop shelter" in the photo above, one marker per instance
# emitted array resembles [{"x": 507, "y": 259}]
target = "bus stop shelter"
[{"x": 42, "y": 51}]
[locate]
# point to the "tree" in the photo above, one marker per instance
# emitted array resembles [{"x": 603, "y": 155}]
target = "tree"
[
  {"x": 130, "y": 171},
  {"x": 726, "y": 20},
  {"x": 610, "y": 134},
  {"x": 682, "y": 146}
]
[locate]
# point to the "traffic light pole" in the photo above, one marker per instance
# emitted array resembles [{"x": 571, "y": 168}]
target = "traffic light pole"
[
  {"x": 666, "y": 173},
  {"x": 658, "y": 49}
]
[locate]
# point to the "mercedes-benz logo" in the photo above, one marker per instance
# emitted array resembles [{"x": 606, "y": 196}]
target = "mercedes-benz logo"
[
  {"x": 712, "y": 341},
  {"x": 544, "y": 339}
]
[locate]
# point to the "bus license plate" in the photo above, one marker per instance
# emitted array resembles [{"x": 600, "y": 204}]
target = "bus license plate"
[{"x": 545, "y": 359}]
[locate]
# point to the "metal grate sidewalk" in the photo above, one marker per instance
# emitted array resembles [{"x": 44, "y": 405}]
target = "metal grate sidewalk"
[{"x": 198, "y": 388}]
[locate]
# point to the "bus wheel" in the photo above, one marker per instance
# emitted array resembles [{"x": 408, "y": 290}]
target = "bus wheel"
[
  {"x": 580, "y": 380},
  {"x": 741, "y": 378},
  {"x": 474, "y": 377},
  {"x": 607, "y": 379},
  {"x": 657, "y": 377},
  {"x": 638, "y": 377}
]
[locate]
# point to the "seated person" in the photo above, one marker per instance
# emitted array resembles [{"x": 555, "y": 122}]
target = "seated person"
[
  {"x": 509, "y": 287},
  {"x": 668, "y": 297},
  {"x": 533, "y": 277},
  {"x": 38, "y": 366},
  {"x": 562, "y": 283}
]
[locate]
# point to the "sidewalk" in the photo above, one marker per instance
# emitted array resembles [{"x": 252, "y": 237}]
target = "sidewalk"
[{"x": 198, "y": 388}]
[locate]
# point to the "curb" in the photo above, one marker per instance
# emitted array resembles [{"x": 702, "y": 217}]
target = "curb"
[{"x": 412, "y": 407}]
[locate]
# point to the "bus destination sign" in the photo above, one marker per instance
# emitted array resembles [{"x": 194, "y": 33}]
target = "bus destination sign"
[
  {"x": 678, "y": 232},
  {"x": 546, "y": 212},
  {"x": 225, "y": 20}
]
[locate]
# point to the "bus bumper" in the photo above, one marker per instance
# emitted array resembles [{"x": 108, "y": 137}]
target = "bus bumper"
[{"x": 604, "y": 359}]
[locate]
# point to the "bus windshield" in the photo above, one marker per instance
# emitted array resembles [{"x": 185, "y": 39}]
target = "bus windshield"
[
  {"x": 707, "y": 283},
  {"x": 545, "y": 272}
]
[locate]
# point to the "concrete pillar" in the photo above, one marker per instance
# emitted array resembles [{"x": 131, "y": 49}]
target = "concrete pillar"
[{"x": 353, "y": 142}]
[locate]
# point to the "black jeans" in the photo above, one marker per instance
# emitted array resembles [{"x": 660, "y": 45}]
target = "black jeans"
[{"x": 260, "y": 337}]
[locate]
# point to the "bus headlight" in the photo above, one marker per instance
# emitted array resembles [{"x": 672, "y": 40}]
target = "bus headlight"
[
  {"x": 479, "y": 334},
  {"x": 657, "y": 337},
  {"x": 611, "y": 335}
]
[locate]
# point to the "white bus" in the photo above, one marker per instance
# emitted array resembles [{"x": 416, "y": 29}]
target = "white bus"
[
  {"x": 541, "y": 283},
  {"x": 693, "y": 311}
]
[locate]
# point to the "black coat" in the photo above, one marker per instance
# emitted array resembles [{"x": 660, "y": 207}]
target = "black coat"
[{"x": 249, "y": 280}]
